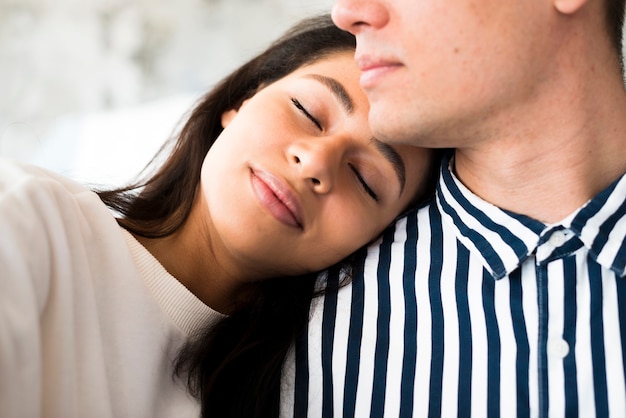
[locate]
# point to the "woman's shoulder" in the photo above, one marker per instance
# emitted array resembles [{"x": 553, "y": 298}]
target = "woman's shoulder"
[
  {"x": 38, "y": 206},
  {"x": 53, "y": 230},
  {"x": 16, "y": 175},
  {"x": 47, "y": 192}
]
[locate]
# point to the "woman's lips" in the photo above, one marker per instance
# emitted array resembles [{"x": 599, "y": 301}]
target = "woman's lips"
[{"x": 277, "y": 198}]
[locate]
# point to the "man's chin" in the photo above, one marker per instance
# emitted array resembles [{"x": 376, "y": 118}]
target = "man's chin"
[{"x": 384, "y": 123}]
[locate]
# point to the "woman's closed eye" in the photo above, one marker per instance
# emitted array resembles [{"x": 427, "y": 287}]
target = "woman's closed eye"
[
  {"x": 361, "y": 180},
  {"x": 363, "y": 183},
  {"x": 306, "y": 113}
]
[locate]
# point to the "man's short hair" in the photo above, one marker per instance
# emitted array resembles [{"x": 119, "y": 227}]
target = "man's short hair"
[{"x": 615, "y": 22}]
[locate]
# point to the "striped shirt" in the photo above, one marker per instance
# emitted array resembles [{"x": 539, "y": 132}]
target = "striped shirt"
[{"x": 464, "y": 309}]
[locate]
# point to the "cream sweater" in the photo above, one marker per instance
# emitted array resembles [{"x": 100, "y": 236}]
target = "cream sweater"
[{"x": 89, "y": 321}]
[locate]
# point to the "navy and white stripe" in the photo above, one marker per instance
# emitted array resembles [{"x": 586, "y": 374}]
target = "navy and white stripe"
[{"x": 463, "y": 309}]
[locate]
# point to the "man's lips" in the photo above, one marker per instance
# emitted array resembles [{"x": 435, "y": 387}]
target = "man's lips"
[
  {"x": 372, "y": 69},
  {"x": 277, "y": 197}
]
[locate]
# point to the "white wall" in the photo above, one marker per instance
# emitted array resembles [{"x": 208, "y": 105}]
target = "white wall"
[{"x": 81, "y": 65}]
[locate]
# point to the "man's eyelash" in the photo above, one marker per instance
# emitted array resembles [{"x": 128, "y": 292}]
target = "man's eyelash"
[
  {"x": 306, "y": 113},
  {"x": 363, "y": 183}
]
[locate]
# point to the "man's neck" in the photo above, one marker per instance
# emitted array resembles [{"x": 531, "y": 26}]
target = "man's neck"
[{"x": 549, "y": 172}]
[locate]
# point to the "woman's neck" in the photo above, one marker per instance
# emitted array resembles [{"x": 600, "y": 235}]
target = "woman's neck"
[{"x": 190, "y": 257}]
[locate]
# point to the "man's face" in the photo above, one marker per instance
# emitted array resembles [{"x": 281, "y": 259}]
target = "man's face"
[{"x": 437, "y": 72}]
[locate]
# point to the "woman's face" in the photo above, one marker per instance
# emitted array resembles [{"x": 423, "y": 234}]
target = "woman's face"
[{"x": 296, "y": 181}]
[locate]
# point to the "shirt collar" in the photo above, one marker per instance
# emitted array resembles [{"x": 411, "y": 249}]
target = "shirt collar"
[{"x": 505, "y": 240}]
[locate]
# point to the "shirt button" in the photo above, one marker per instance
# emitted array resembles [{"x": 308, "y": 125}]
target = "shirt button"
[
  {"x": 559, "y": 348},
  {"x": 557, "y": 239}
]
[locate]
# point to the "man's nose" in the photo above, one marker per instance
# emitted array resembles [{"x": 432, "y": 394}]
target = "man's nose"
[{"x": 355, "y": 15}]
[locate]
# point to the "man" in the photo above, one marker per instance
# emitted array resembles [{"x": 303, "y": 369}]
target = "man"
[{"x": 506, "y": 296}]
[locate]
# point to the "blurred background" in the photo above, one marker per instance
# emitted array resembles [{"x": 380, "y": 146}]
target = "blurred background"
[{"x": 91, "y": 88}]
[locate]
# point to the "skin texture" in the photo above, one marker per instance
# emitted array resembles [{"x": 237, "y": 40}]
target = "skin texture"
[
  {"x": 238, "y": 232},
  {"x": 529, "y": 93}
]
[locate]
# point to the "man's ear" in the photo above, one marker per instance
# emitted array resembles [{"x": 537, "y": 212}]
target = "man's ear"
[
  {"x": 228, "y": 116},
  {"x": 568, "y": 7}
]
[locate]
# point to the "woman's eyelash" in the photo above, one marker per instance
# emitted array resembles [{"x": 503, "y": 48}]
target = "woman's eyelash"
[
  {"x": 306, "y": 113},
  {"x": 356, "y": 172},
  {"x": 363, "y": 183}
]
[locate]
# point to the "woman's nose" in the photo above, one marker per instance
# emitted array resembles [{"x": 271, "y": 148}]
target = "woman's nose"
[
  {"x": 317, "y": 162},
  {"x": 355, "y": 15}
]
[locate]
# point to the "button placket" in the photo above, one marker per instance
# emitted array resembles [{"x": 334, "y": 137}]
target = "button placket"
[
  {"x": 552, "y": 241},
  {"x": 557, "y": 238},
  {"x": 558, "y": 348}
]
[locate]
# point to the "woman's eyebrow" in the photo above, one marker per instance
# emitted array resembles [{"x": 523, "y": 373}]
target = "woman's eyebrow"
[
  {"x": 394, "y": 158},
  {"x": 337, "y": 89}
]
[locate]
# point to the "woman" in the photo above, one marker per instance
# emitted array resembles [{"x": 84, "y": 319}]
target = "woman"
[{"x": 275, "y": 175}]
